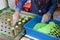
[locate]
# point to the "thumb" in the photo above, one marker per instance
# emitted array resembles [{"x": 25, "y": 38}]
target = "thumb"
[
  {"x": 42, "y": 20},
  {"x": 13, "y": 20}
]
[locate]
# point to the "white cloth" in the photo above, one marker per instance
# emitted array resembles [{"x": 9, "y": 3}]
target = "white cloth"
[
  {"x": 2, "y": 4},
  {"x": 11, "y": 4}
]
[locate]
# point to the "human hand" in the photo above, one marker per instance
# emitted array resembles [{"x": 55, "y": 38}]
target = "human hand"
[
  {"x": 46, "y": 17},
  {"x": 15, "y": 17}
]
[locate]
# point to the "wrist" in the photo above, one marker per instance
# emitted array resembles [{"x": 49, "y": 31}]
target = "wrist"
[
  {"x": 49, "y": 14},
  {"x": 17, "y": 12}
]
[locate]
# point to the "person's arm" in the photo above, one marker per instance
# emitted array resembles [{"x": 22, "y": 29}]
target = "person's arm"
[
  {"x": 46, "y": 7},
  {"x": 47, "y": 16},
  {"x": 53, "y": 6},
  {"x": 20, "y": 5},
  {"x": 17, "y": 10}
]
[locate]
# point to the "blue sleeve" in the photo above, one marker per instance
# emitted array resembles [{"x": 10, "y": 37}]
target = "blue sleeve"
[
  {"x": 53, "y": 6},
  {"x": 20, "y": 5},
  {"x": 46, "y": 7}
]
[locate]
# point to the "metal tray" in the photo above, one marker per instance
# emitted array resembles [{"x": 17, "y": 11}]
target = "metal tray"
[{"x": 5, "y": 28}]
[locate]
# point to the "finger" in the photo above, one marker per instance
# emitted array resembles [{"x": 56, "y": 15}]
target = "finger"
[
  {"x": 14, "y": 22},
  {"x": 43, "y": 19}
]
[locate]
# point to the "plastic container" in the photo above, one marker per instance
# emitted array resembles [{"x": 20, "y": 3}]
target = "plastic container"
[{"x": 41, "y": 36}]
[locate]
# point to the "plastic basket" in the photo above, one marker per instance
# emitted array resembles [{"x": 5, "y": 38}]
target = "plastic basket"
[{"x": 41, "y": 36}]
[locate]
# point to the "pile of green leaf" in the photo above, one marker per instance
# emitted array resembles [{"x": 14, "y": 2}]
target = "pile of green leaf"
[{"x": 50, "y": 29}]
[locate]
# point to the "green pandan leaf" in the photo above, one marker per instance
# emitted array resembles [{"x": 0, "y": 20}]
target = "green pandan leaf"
[{"x": 39, "y": 25}]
